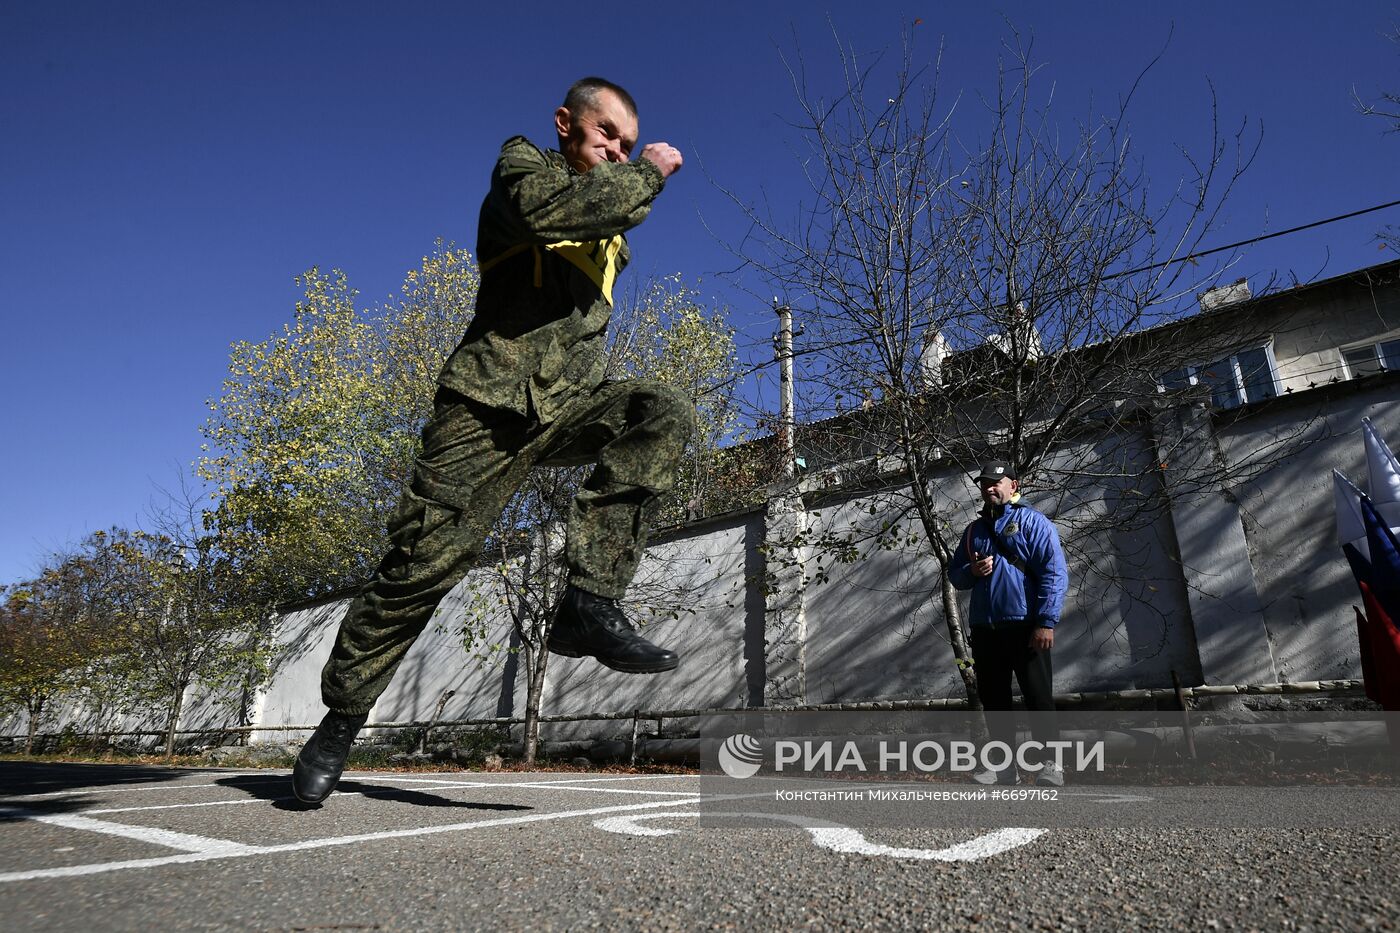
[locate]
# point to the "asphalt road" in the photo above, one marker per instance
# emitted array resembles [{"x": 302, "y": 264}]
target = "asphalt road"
[{"x": 89, "y": 847}]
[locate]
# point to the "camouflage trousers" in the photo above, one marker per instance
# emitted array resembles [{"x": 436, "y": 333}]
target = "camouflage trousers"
[{"x": 474, "y": 459}]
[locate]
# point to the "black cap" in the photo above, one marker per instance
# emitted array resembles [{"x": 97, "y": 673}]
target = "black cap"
[{"x": 995, "y": 470}]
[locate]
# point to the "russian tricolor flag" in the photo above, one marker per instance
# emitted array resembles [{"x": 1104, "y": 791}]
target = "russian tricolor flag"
[{"x": 1366, "y": 526}]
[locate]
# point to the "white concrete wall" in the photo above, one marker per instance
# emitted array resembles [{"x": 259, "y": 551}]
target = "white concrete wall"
[
  {"x": 875, "y": 627},
  {"x": 1305, "y": 584},
  {"x": 1142, "y": 599},
  {"x": 202, "y": 709},
  {"x": 437, "y": 662},
  {"x": 1127, "y": 621},
  {"x": 712, "y": 572}
]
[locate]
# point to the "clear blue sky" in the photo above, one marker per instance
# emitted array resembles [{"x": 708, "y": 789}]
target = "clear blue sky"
[{"x": 166, "y": 169}]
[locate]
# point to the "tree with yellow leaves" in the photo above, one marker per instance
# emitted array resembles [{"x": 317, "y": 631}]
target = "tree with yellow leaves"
[
  {"x": 59, "y": 633},
  {"x": 665, "y": 333},
  {"x": 40, "y": 658},
  {"x": 316, "y": 429}
]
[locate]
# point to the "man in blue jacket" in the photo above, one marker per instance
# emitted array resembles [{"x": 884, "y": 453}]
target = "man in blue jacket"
[{"x": 1011, "y": 559}]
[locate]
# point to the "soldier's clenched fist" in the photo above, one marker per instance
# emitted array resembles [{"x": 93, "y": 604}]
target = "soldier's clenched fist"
[{"x": 664, "y": 156}]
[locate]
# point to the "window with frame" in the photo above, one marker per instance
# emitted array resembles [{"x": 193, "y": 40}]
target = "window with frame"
[
  {"x": 1234, "y": 380},
  {"x": 1373, "y": 358}
]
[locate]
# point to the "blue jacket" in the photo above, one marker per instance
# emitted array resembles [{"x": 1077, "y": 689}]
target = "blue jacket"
[{"x": 1009, "y": 595}]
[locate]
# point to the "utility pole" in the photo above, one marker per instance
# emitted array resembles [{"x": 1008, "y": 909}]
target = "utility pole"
[{"x": 782, "y": 343}]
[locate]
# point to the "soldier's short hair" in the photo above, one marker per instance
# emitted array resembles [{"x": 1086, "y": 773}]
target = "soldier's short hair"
[{"x": 583, "y": 95}]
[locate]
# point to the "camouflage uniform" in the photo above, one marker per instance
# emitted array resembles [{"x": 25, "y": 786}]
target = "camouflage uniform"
[{"x": 524, "y": 388}]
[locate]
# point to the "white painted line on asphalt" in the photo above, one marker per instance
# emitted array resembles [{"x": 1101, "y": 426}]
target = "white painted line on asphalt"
[
  {"x": 438, "y": 785},
  {"x": 103, "y": 867},
  {"x": 161, "y": 837},
  {"x": 425, "y": 782},
  {"x": 843, "y": 839},
  {"x": 476, "y": 824},
  {"x": 283, "y": 779},
  {"x": 242, "y": 800},
  {"x": 560, "y": 785},
  {"x": 638, "y": 777},
  {"x": 1107, "y": 798},
  {"x": 136, "y": 785},
  {"x": 613, "y": 779},
  {"x": 632, "y": 825},
  {"x": 549, "y": 782},
  {"x": 617, "y": 790},
  {"x": 182, "y": 806},
  {"x": 88, "y": 791},
  {"x": 985, "y": 846},
  {"x": 243, "y": 851},
  {"x": 286, "y": 776}
]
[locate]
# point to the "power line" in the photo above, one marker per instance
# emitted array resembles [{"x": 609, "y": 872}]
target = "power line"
[
  {"x": 1113, "y": 275},
  {"x": 1252, "y": 240}
]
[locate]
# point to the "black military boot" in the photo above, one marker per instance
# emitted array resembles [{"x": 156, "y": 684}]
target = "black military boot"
[
  {"x": 591, "y": 626},
  {"x": 323, "y": 757}
]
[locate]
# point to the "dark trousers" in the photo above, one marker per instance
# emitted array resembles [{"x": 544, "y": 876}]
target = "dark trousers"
[
  {"x": 998, "y": 653},
  {"x": 474, "y": 459}
]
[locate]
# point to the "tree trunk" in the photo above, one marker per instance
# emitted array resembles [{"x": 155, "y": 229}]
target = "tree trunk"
[
  {"x": 174, "y": 722},
  {"x": 99, "y": 712},
  {"x": 952, "y": 615},
  {"x": 36, "y": 710},
  {"x": 537, "y": 664},
  {"x": 962, "y": 652},
  {"x": 245, "y": 709}
]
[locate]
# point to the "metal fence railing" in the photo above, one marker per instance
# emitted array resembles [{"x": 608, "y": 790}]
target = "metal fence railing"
[{"x": 1168, "y": 694}]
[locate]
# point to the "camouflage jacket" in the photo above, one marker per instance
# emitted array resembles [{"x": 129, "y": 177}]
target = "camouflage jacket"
[{"x": 550, "y": 245}]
